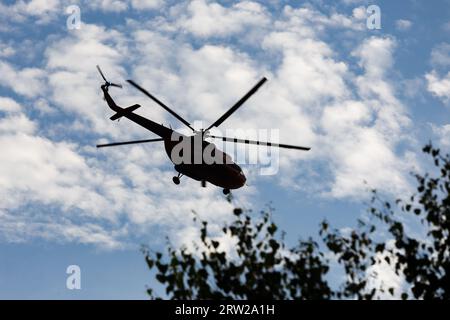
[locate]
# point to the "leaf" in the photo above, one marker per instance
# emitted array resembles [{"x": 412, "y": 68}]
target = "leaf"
[
  {"x": 150, "y": 262},
  {"x": 380, "y": 247},
  {"x": 272, "y": 228}
]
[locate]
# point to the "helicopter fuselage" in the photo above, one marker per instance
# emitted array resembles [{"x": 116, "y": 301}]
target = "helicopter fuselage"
[
  {"x": 204, "y": 162},
  {"x": 192, "y": 155}
]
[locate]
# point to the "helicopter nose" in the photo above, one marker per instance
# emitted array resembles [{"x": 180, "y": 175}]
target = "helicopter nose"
[{"x": 242, "y": 178}]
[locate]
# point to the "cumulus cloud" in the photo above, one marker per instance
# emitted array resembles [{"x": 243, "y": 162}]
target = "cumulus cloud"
[
  {"x": 123, "y": 5},
  {"x": 353, "y": 120},
  {"x": 356, "y": 130},
  {"x": 42, "y": 10},
  {"x": 38, "y": 169},
  {"x": 38, "y": 175},
  {"x": 71, "y": 62},
  {"x": 370, "y": 155},
  {"x": 29, "y": 82},
  {"x": 383, "y": 276},
  {"x": 403, "y": 24},
  {"x": 440, "y": 55},
  {"x": 146, "y": 4},
  {"x": 109, "y": 5},
  {"x": 443, "y": 134},
  {"x": 353, "y": 2},
  {"x": 22, "y": 228},
  {"x": 438, "y": 79},
  {"x": 439, "y": 86},
  {"x": 9, "y": 105},
  {"x": 6, "y": 50},
  {"x": 205, "y": 19}
]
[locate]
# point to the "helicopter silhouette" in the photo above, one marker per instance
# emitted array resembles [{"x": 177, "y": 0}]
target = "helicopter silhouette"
[{"x": 187, "y": 153}]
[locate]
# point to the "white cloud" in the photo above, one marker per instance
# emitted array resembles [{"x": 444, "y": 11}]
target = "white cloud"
[
  {"x": 206, "y": 19},
  {"x": 13, "y": 123},
  {"x": 90, "y": 195},
  {"x": 439, "y": 86},
  {"x": 29, "y": 82},
  {"x": 354, "y": 122},
  {"x": 43, "y": 11},
  {"x": 307, "y": 21},
  {"x": 40, "y": 170},
  {"x": 74, "y": 82},
  {"x": 123, "y": 5},
  {"x": 360, "y": 13},
  {"x": 46, "y": 11},
  {"x": 15, "y": 120},
  {"x": 443, "y": 134},
  {"x": 6, "y": 50},
  {"x": 9, "y": 105},
  {"x": 146, "y": 4},
  {"x": 438, "y": 79},
  {"x": 109, "y": 5},
  {"x": 216, "y": 76},
  {"x": 383, "y": 276},
  {"x": 355, "y": 134},
  {"x": 403, "y": 24},
  {"x": 376, "y": 56},
  {"x": 440, "y": 55},
  {"x": 39, "y": 7},
  {"x": 353, "y": 2},
  {"x": 366, "y": 152},
  {"x": 23, "y": 228}
]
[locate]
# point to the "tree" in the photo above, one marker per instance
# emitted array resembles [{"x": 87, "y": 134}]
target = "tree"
[
  {"x": 262, "y": 267},
  {"x": 259, "y": 271},
  {"x": 424, "y": 263}
]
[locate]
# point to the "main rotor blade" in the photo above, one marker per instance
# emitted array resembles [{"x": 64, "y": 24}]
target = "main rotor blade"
[
  {"x": 115, "y": 85},
  {"x": 261, "y": 143},
  {"x": 148, "y": 94},
  {"x": 101, "y": 73},
  {"x": 238, "y": 104},
  {"x": 127, "y": 142}
]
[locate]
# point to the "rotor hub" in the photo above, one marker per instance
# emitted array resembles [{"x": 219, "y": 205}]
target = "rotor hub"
[{"x": 204, "y": 133}]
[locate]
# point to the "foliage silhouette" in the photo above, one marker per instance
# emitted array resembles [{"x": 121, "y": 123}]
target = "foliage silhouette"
[{"x": 262, "y": 267}]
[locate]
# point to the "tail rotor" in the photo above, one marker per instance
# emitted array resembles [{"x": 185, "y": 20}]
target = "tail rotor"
[{"x": 107, "y": 83}]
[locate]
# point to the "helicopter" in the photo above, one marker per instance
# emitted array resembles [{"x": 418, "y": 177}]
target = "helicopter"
[{"x": 221, "y": 171}]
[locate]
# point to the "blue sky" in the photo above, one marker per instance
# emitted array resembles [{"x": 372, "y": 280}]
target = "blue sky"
[{"x": 364, "y": 100}]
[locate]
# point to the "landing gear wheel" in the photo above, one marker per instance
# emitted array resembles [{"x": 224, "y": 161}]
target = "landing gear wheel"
[
  {"x": 226, "y": 191},
  {"x": 203, "y": 183},
  {"x": 176, "y": 180}
]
